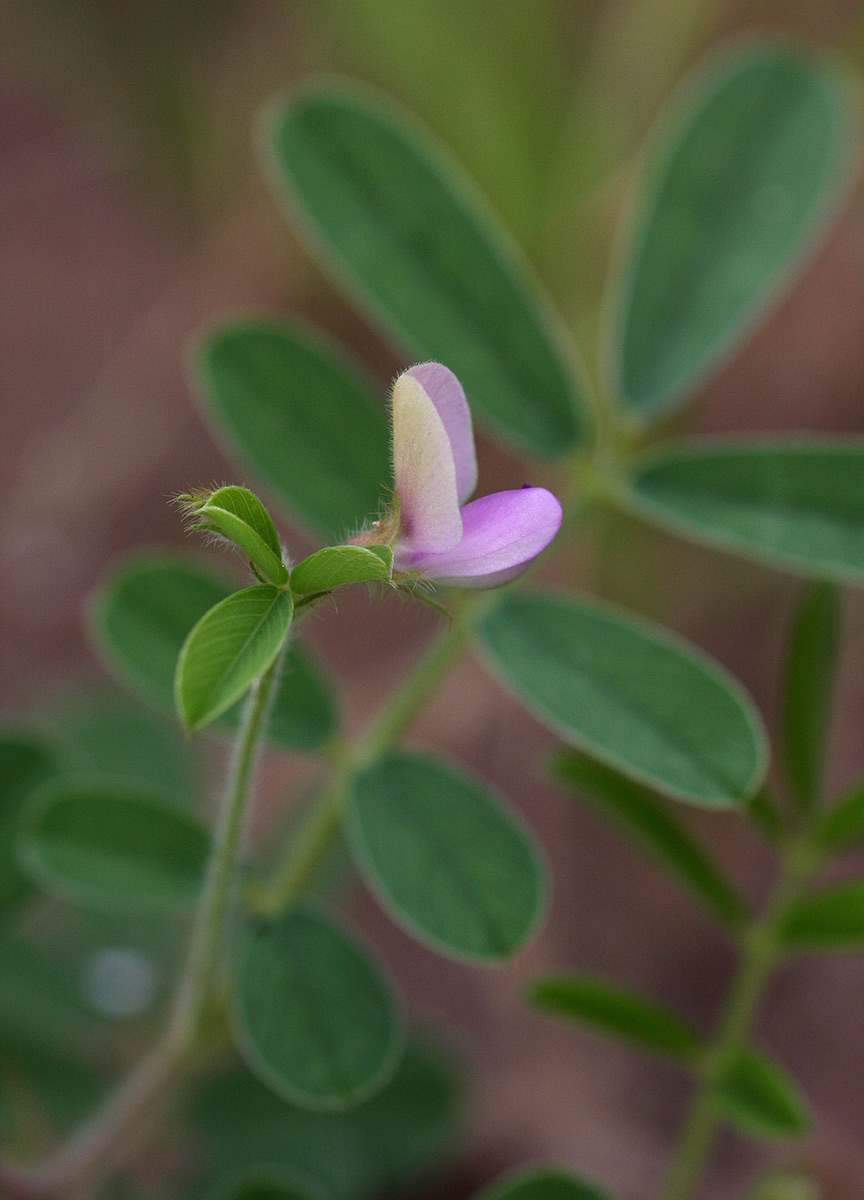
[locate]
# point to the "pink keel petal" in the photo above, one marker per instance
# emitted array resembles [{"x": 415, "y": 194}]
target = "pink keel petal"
[
  {"x": 502, "y": 534},
  {"x": 424, "y": 471},
  {"x": 446, "y": 393}
]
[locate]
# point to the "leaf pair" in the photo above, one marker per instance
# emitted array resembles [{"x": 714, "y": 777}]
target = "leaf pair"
[{"x": 752, "y": 1090}]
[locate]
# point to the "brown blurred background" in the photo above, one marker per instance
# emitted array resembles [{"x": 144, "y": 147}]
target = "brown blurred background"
[{"x": 131, "y": 211}]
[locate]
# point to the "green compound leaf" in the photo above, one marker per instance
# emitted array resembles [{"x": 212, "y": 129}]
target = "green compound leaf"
[
  {"x": 301, "y": 416},
  {"x": 759, "y": 1097},
  {"x": 266, "y": 1183},
  {"x": 444, "y": 856},
  {"x": 112, "y": 849},
  {"x": 628, "y": 693},
  {"x": 542, "y": 1183},
  {"x": 238, "y": 515},
  {"x": 229, "y": 648},
  {"x": 739, "y": 183},
  {"x": 336, "y": 566},
  {"x": 27, "y": 760},
  {"x": 315, "y": 1019},
  {"x": 398, "y": 223},
  {"x": 832, "y": 919},
  {"x": 843, "y": 826},
  {"x": 617, "y": 1012},
  {"x": 380, "y": 1147},
  {"x": 795, "y": 503},
  {"x": 811, "y": 658},
  {"x": 644, "y": 817},
  {"x": 141, "y": 616}
]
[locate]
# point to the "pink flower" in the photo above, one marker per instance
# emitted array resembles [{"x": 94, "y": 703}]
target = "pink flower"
[{"x": 480, "y": 544}]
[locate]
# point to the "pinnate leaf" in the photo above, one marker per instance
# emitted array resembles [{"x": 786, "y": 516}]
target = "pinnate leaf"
[
  {"x": 832, "y": 919},
  {"x": 791, "y": 502},
  {"x": 759, "y": 1097},
  {"x": 336, "y": 566},
  {"x": 112, "y": 848},
  {"x": 628, "y": 693},
  {"x": 641, "y": 814},
  {"x": 141, "y": 616},
  {"x": 398, "y": 222},
  {"x": 617, "y": 1012},
  {"x": 738, "y": 182},
  {"x": 542, "y": 1183},
  {"x": 315, "y": 1020},
  {"x": 446, "y": 858},
  {"x": 238, "y": 515},
  {"x": 303, "y": 418},
  {"x": 228, "y": 649}
]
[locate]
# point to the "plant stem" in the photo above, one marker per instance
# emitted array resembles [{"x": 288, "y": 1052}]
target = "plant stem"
[
  {"x": 101, "y": 1144},
  {"x": 762, "y": 948},
  {"x": 316, "y": 837}
]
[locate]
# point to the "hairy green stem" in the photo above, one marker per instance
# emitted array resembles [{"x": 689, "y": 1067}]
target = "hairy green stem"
[
  {"x": 104, "y": 1141},
  {"x": 762, "y": 948}
]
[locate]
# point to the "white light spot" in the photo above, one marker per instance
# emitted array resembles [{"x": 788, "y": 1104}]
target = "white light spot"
[{"x": 120, "y": 983}]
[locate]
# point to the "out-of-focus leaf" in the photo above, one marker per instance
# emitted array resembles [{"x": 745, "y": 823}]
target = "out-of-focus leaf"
[
  {"x": 811, "y": 656},
  {"x": 315, "y": 1019},
  {"x": 112, "y": 848},
  {"x": 542, "y": 1183},
  {"x": 336, "y": 566},
  {"x": 445, "y": 857},
  {"x": 265, "y": 1183},
  {"x": 399, "y": 224},
  {"x": 386, "y": 1144},
  {"x": 832, "y": 919},
  {"x": 843, "y": 825},
  {"x": 644, "y": 817},
  {"x": 238, "y": 515},
  {"x": 141, "y": 616},
  {"x": 228, "y": 649},
  {"x": 795, "y": 503},
  {"x": 111, "y": 737},
  {"x": 759, "y": 1097},
  {"x": 301, "y": 416},
  {"x": 27, "y": 760},
  {"x": 738, "y": 183},
  {"x": 616, "y": 1012},
  {"x": 642, "y": 701}
]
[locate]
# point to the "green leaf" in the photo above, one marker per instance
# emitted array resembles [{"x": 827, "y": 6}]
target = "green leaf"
[
  {"x": 112, "y": 849},
  {"x": 444, "y": 856},
  {"x": 238, "y": 515},
  {"x": 759, "y": 1097},
  {"x": 616, "y": 1012},
  {"x": 542, "y": 1183},
  {"x": 230, "y": 647},
  {"x": 787, "y": 1185},
  {"x": 399, "y": 224},
  {"x": 385, "y": 1145},
  {"x": 315, "y": 1019},
  {"x": 27, "y": 760},
  {"x": 265, "y": 1183},
  {"x": 832, "y": 919},
  {"x": 811, "y": 657},
  {"x": 336, "y": 566},
  {"x": 141, "y": 616},
  {"x": 106, "y": 735},
  {"x": 739, "y": 183},
  {"x": 301, "y": 416},
  {"x": 642, "y": 815},
  {"x": 795, "y": 503},
  {"x": 844, "y": 824},
  {"x": 626, "y": 692}
]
